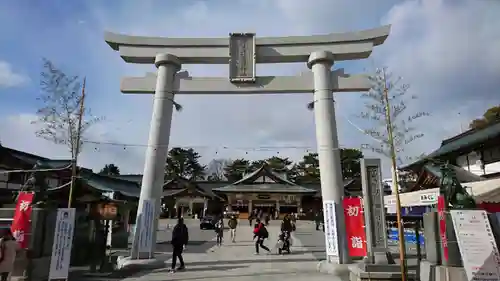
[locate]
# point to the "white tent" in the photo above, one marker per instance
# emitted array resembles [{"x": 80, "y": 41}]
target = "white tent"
[{"x": 482, "y": 191}]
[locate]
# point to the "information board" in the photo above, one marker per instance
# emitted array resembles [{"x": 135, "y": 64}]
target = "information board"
[
  {"x": 146, "y": 227},
  {"x": 331, "y": 239},
  {"x": 477, "y": 244},
  {"x": 63, "y": 241}
]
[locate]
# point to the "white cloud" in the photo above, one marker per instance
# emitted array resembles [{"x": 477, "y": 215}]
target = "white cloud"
[
  {"x": 446, "y": 50},
  {"x": 8, "y": 78}
]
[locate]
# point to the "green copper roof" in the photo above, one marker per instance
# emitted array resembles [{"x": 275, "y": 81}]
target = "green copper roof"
[
  {"x": 269, "y": 188},
  {"x": 474, "y": 138},
  {"x": 131, "y": 177},
  {"x": 109, "y": 184},
  {"x": 463, "y": 175},
  {"x": 106, "y": 184},
  {"x": 463, "y": 141},
  {"x": 278, "y": 184}
]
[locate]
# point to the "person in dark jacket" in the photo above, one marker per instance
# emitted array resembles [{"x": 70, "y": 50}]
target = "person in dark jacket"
[
  {"x": 260, "y": 232},
  {"x": 219, "y": 230},
  {"x": 318, "y": 218},
  {"x": 286, "y": 224},
  {"x": 180, "y": 238}
]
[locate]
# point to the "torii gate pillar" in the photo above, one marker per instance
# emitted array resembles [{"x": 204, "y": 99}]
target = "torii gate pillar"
[
  {"x": 157, "y": 149},
  {"x": 327, "y": 141}
]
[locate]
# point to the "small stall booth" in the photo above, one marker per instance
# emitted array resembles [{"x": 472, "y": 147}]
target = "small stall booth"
[{"x": 486, "y": 193}]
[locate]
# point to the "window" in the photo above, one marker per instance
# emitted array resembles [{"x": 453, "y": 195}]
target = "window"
[
  {"x": 52, "y": 182},
  {"x": 491, "y": 155},
  {"x": 17, "y": 178},
  {"x": 3, "y": 176}
]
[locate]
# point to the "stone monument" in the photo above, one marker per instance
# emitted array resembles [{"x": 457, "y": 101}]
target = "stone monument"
[
  {"x": 374, "y": 211},
  {"x": 242, "y": 51},
  {"x": 379, "y": 263}
]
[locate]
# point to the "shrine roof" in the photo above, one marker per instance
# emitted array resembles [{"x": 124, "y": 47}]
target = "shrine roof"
[
  {"x": 430, "y": 176},
  {"x": 23, "y": 156},
  {"x": 101, "y": 183},
  {"x": 137, "y": 178},
  {"x": 180, "y": 185},
  {"x": 30, "y": 159},
  {"x": 264, "y": 179},
  {"x": 105, "y": 184},
  {"x": 270, "y": 188},
  {"x": 264, "y": 170},
  {"x": 465, "y": 141}
]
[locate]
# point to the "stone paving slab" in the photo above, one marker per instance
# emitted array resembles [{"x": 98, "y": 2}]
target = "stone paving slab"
[{"x": 237, "y": 260}]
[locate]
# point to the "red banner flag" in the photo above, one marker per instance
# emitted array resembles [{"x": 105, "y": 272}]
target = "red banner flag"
[
  {"x": 442, "y": 225},
  {"x": 354, "y": 221},
  {"x": 22, "y": 216}
]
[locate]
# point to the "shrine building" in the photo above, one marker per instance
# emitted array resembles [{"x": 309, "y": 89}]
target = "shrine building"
[
  {"x": 267, "y": 191},
  {"x": 262, "y": 190}
]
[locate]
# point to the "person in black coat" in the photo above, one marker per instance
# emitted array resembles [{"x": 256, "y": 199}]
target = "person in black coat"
[
  {"x": 286, "y": 224},
  {"x": 180, "y": 238},
  {"x": 318, "y": 218}
]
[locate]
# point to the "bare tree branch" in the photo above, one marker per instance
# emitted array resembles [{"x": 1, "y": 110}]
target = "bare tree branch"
[
  {"x": 60, "y": 100},
  {"x": 403, "y": 134}
]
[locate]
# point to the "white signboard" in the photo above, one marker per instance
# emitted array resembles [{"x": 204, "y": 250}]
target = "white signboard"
[
  {"x": 331, "y": 239},
  {"x": 146, "y": 226},
  {"x": 61, "y": 247},
  {"x": 428, "y": 198},
  {"x": 477, "y": 244}
]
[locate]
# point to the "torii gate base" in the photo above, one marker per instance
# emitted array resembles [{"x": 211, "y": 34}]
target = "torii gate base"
[{"x": 242, "y": 52}]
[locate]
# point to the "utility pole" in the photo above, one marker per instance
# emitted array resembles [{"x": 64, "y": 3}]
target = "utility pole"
[
  {"x": 76, "y": 146},
  {"x": 461, "y": 123},
  {"x": 401, "y": 237}
]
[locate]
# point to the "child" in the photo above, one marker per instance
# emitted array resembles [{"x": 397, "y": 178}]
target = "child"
[
  {"x": 219, "y": 229},
  {"x": 284, "y": 242}
]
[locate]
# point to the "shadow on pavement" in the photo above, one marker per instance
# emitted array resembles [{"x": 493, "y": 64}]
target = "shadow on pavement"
[
  {"x": 313, "y": 241},
  {"x": 208, "y": 268},
  {"x": 196, "y": 247},
  {"x": 196, "y": 263},
  {"x": 256, "y": 275},
  {"x": 163, "y": 248},
  {"x": 116, "y": 275}
]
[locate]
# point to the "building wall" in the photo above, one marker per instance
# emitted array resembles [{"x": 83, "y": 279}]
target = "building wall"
[
  {"x": 481, "y": 163},
  {"x": 5, "y": 183}
]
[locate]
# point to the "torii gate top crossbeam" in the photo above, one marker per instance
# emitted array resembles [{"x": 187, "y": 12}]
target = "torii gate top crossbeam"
[{"x": 344, "y": 46}]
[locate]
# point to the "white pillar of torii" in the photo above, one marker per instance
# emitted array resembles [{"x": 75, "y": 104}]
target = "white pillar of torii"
[{"x": 242, "y": 52}]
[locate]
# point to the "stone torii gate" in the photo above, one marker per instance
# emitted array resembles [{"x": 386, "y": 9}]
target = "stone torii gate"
[{"x": 241, "y": 51}]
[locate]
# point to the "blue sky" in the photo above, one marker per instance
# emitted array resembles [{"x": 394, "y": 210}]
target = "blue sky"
[{"x": 447, "y": 50}]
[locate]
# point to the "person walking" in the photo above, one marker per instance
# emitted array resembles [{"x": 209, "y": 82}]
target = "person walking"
[
  {"x": 180, "y": 238},
  {"x": 8, "y": 251},
  {"x": 260, "y": 232},
  {"x": 318, "y": 218},
  {"x": 219, "y": 230},
  {"x": 286, "y": 224},
  {"x": 233, "y": 223},
  {"x": 250, "y": 219}
]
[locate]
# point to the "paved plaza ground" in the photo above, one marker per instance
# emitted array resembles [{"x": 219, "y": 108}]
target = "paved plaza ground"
[{"x": 236, "y": 261}]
